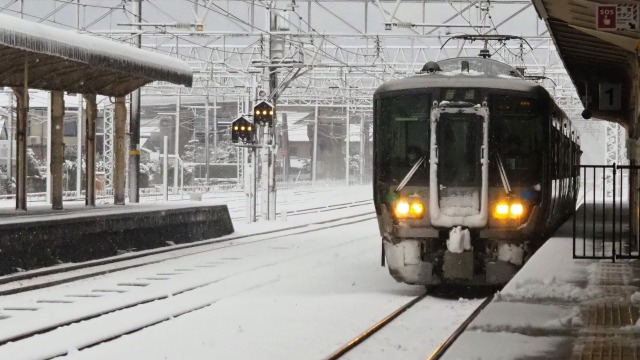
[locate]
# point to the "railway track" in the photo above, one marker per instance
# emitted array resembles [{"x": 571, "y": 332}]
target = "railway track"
[
  {"x": 375, "y": 328},
  {"x": 43, "y": 278},
  {"x": 437, "y": 354},
  {"x": 158, "y": 307}
]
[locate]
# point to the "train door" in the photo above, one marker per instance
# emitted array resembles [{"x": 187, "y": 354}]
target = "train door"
[{"x": 459, "y": 168}]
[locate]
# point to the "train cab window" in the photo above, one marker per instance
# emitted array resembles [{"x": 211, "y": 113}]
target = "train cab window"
[
  {"x": 402, "y": 136},
  {"x": 515, "y": 137}
]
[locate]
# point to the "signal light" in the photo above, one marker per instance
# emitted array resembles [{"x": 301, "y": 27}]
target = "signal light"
[
  {"x": 242, "y": 131},
  {"x": 264, "y": 113}
]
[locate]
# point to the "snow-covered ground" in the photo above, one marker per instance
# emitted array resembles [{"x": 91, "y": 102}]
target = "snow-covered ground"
[{"x": 281, "y": 296}]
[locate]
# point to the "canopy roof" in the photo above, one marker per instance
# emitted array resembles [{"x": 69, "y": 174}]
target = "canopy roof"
[
  {"x": 592, "y": 56},
  {"x": 65, "y": 60}
]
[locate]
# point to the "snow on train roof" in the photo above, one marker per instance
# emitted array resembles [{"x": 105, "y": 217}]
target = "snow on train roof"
[
  {"x": 98, "y": 53},
  {"x": 483, "y": 73},
  {"x": 439, "y": 81}
]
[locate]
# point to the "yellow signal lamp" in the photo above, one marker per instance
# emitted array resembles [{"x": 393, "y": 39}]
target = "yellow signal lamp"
[
  {"x": 235, "y": 128},
  {"x": 249, "y": 128}
]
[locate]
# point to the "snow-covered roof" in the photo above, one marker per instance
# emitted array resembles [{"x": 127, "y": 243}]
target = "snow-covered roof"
[{"x": 64, "y": 60}]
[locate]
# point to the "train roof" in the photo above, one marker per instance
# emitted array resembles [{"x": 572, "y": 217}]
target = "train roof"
[{"x": 465, "y": 72}]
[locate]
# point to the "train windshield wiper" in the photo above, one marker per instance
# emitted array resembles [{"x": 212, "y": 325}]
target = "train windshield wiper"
[
  {"x": 409, "y": 175},
  {"x": 503, "y": 175}
]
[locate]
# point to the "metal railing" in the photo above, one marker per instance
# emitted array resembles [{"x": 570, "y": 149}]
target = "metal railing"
[{"x": 601, "y": 224}]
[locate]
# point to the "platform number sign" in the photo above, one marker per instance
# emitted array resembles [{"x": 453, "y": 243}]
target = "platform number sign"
[{"x": 610, "y": 96}]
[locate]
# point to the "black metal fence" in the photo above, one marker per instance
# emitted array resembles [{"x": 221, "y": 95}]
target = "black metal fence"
[{"x": 602, "y": 223}]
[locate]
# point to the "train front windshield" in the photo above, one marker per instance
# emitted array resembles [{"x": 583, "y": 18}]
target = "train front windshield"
[
  {"x": 516, "y": 136},
  {"x": 402, "y": 137}
]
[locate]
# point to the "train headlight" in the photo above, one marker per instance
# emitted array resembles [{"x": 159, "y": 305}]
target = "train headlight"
[
  {"x": 516, "y": 209},
  {"x": 402, "y": 209},
  {"x": 504, "y": 210},
  {"x": 409, "y": 209},
  {"x": 417, "y": 209}
]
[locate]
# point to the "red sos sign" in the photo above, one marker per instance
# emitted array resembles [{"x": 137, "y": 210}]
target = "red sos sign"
[{"x": 606, "y": 17}]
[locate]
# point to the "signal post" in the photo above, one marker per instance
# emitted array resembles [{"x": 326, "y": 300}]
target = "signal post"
[{"x": 244, "y": 134}]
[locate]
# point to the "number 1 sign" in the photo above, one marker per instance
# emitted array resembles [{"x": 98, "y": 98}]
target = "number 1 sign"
[{"x": 610, "y": 96}]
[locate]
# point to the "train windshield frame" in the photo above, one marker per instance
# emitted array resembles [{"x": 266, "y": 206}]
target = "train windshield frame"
[
  {"x": 459, "y": 139},
  {"x": 402, "y": 133}
]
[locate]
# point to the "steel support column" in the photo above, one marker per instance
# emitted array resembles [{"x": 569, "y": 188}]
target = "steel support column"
[
  {"x": 79, "y": 142},
  {"x": 21, "y": 140},
  {"x": 91, "y": 112},
  {"x": 120, "y": 121},
  {"x": 134, "y": 122},
  {"x": 176, "y": 146},
  {"x": 57, "y": 148}
]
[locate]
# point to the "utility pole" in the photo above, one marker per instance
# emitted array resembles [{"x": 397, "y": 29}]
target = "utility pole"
[
  {"x": 176, "y": 145},
  {"x": 134, "y": 121},
  {"x": 276, "y": 53},
  {"x": 206, "y": 139},
  {"x": 10, "y": 135},
  {"x": 79, "y": 144}
]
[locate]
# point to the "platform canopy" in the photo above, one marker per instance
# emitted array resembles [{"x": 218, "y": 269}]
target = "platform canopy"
[
  {"x": 599, "y": 48},
  {"x": 67, "y": 61}
]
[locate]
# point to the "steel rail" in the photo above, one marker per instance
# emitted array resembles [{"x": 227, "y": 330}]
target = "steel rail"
[
  {"x": 166, "y": 250},
  {"x": 362, "y": 337},
  {"x": 48, "y": 328},
  {"x": 439, "y": 352}
]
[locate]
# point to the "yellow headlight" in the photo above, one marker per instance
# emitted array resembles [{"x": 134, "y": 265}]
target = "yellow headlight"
[
  {"x": 517, "y": 209},
  {"x": 417, "y": 209},
  {"x": 502, "y": 209},
  {"x": 402, "y": 209}
]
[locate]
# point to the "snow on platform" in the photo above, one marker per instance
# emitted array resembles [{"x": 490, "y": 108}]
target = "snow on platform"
[{"x": 558, "y": 307}]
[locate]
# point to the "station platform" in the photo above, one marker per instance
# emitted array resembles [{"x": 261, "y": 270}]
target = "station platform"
[
  {"x": 43, "y": 237},
  {"x": 558, "y": 307}
]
